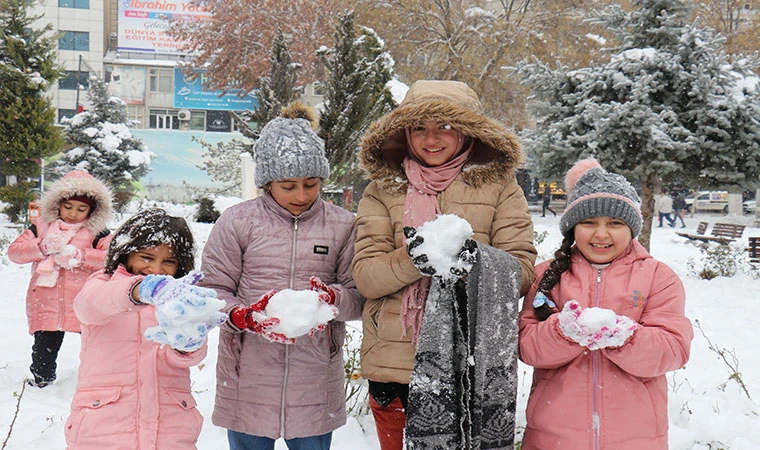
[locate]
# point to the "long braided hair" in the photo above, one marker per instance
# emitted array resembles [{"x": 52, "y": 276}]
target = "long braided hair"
[{"x": 552, "y": 275}]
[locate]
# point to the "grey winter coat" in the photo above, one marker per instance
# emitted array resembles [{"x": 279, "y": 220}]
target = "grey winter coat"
[{"x": 271, "y": 389}]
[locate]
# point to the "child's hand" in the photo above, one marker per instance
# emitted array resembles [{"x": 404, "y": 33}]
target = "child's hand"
[
  {"x": 69, "y": 257},
  {"x": 159, "y": 289},
  {"x": 53, "y": 243},
  {"x": 595, "y": 328},
  {"x": 459, "y": 265},
  {"x": 254, "y": 318},
  {"x": 326, "y": 293}
]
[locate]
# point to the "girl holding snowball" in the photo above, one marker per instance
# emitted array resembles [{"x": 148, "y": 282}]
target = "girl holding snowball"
[
  {"x": 602, "y": 325},
  {"x": 144, "y": 324},
  {"x": 65, "y": 245},
  {"x": 441, "y": 169},
  {"x": 285, "y": 248}
]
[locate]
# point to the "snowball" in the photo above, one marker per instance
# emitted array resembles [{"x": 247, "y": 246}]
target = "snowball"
[
  {"x": 443, "y": 240},
  {"x": 596, "y": 318},
  {"x": 299, "y": 312}
]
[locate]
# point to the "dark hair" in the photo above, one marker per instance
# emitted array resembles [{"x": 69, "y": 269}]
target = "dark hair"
[
  {"x": 151, "y": 228},
  {"x": 552, "y": 275}
]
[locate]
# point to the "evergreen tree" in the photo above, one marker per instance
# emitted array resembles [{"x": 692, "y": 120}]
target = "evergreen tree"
[
  {"x": 27, "y": 119},
  {"x": 275, "y": 91},
  {"x": 102, "y": 145},
  {"x": 665, "y": 107},
  {"x": 279, "y": 87},
  {"x": 355, "y": 95}
]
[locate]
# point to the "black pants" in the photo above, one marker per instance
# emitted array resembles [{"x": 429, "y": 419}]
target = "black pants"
[
  {"x": 44, "y": 353},
  {"x": 544, "y": 207}
]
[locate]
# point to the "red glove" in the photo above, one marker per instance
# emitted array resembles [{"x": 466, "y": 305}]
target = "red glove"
[
  {"x": 254, "y": 318},
  {"x": 326, "y": 293}
]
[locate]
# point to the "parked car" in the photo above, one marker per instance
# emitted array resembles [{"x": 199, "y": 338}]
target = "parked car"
[
  {"x": 749, "y": 206},
  {"x": 708, "y": 201}
]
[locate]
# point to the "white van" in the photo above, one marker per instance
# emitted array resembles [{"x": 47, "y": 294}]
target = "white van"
[{"x": 708, "y": 201}]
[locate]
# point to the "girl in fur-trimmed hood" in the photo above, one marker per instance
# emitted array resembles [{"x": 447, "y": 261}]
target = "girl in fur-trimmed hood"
[
  {"x": 65, "y": 245},
  {"x": 437, "y": 153}
]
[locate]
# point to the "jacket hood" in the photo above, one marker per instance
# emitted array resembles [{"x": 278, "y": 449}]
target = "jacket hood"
[
  {"x": 496, "y": 152},
  {"x": 74, "y": 183}
]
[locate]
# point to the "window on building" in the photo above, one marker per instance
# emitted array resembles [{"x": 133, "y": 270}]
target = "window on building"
[
  {"x": 72, "y": 79},
  {"x": 163, "y": 119},
  {"x": 74, "y": 40},
  {"x": 161, "y": 80},
  {"x": 198, "y": 120},
  {"x": 79, "y": 4}
]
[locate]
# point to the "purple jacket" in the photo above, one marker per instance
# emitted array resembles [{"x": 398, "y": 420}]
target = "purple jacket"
[
  {"x": 132, "y": 393},
  {"x": 264, "y": 388}
]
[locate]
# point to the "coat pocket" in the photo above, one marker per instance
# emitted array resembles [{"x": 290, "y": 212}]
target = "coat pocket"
[
  {"x": 180, "y": 416},
  {"x": 99, "y": 412}
]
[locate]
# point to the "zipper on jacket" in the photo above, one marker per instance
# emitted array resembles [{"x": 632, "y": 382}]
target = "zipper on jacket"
[
  {"x": 287, "y": 347},
  {"x": 596, "y": 418},
  {"x": 61, "y": 300}
]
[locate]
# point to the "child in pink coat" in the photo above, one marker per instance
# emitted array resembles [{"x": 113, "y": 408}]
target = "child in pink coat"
[
  {"x": 65, "y": 245},
  {"x": 602, "y": 325},
  {"x": 134, "y": 393}
]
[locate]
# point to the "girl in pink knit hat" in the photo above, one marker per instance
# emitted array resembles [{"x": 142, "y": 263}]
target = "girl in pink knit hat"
[{"x": 65, "y": 245}]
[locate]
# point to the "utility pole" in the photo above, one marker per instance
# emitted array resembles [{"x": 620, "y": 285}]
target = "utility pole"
[{"x": 79, "y": 71}]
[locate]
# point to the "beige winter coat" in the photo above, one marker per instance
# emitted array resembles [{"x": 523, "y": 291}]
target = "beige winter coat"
[{"x": 486, "y": 193}]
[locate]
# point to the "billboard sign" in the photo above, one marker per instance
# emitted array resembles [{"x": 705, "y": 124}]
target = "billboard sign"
[
  {"x": 189, "y": 93},
  {"x": 142, "y": 24}
]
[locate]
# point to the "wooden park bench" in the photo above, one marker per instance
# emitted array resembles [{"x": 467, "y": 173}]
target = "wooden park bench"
[
  {"x": 722, "y": 233},
  {"x": 754, "y": 250}
]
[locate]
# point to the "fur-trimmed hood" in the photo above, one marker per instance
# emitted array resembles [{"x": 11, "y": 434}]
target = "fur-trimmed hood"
[
  {"x": 74, "y": 183},
  {"x": 496, "y": 153}
]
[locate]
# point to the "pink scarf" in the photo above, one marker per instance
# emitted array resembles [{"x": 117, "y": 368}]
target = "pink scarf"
[
  {"x": 47, "y": 269},
  {"x": 420, "y": 206}
]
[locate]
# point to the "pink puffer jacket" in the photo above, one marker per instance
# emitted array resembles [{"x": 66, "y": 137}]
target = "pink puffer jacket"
[
  {"x": 269, "y": 389},
  {"x": 50, "y": 308},
  {"x": 132, "y": 394},
  {"x": 614, "y": 398}
]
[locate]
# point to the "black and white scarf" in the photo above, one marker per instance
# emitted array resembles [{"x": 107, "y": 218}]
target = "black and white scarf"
[{"x": 462, "y": 394}]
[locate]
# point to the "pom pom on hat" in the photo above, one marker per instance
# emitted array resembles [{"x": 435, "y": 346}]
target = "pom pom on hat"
[
  {"x": 288, "y": 147},
  {"x": 594, "y": 192},
  {"x": 578, "y": 170}
]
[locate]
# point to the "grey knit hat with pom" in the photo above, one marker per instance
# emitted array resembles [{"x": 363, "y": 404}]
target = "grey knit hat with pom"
[
  {"x": 289, "y": 148},
  {"x": 594, "y": 192}
]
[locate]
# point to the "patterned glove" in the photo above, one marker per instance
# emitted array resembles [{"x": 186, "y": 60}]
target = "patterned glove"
[
  {"x": 158, "y": 289},
  {"x": 185, "y": 313},
  {"x": 254, "y": 318},
  {"x": 595, "y": 328},
  {"x": 69, "y": 257},
  {"x": 53, "y": 243},
  {"x": 326, "y": 293},
  {"x": 456, "y": 267}
]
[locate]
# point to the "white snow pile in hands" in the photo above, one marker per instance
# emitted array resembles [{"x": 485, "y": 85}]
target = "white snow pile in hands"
[
  {"x": 299, "y": 312},
  {"x": 595, "y": 328},
  {"x": 442, "y": 241}
]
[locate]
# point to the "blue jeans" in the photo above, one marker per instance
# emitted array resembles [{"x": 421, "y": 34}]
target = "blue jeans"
[{"x": 242, "y": 441}]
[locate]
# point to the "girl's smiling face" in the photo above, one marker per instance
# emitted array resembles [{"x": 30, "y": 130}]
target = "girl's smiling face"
[
  {"x": 73, "y": 211},
  {"x": 435, "y": 143},
  {"x": 602, "y": 239},
  {"x": 159, "y": 260}
]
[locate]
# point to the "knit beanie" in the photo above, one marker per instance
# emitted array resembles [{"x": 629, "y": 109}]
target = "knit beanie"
[
  {"x": 594, "y": 192},
  {"x": 288, "y": 147}
]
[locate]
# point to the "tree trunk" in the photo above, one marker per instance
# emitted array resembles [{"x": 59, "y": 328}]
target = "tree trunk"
[{"x": 647, "y": 208}]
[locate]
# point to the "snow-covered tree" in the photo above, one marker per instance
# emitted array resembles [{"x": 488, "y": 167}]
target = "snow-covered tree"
[
  {"x": 279, "y": 87},
  {"x": 274, "y": 91},
  {"x": 101, "y": 143},
  {"x": 27, "y": 119},
  {"x": 667, "y": 106},
  {"x": 357, "y": 71}
]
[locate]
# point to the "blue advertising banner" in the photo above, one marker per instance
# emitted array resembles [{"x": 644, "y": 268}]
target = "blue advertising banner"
[{"x": 189, "y": 93}]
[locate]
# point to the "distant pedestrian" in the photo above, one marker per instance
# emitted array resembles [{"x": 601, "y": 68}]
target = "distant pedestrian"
[
  {"x": 679, "y": 206},
  {"x": 663, "y": 204},
  {"x": 547, "y": 201}
]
